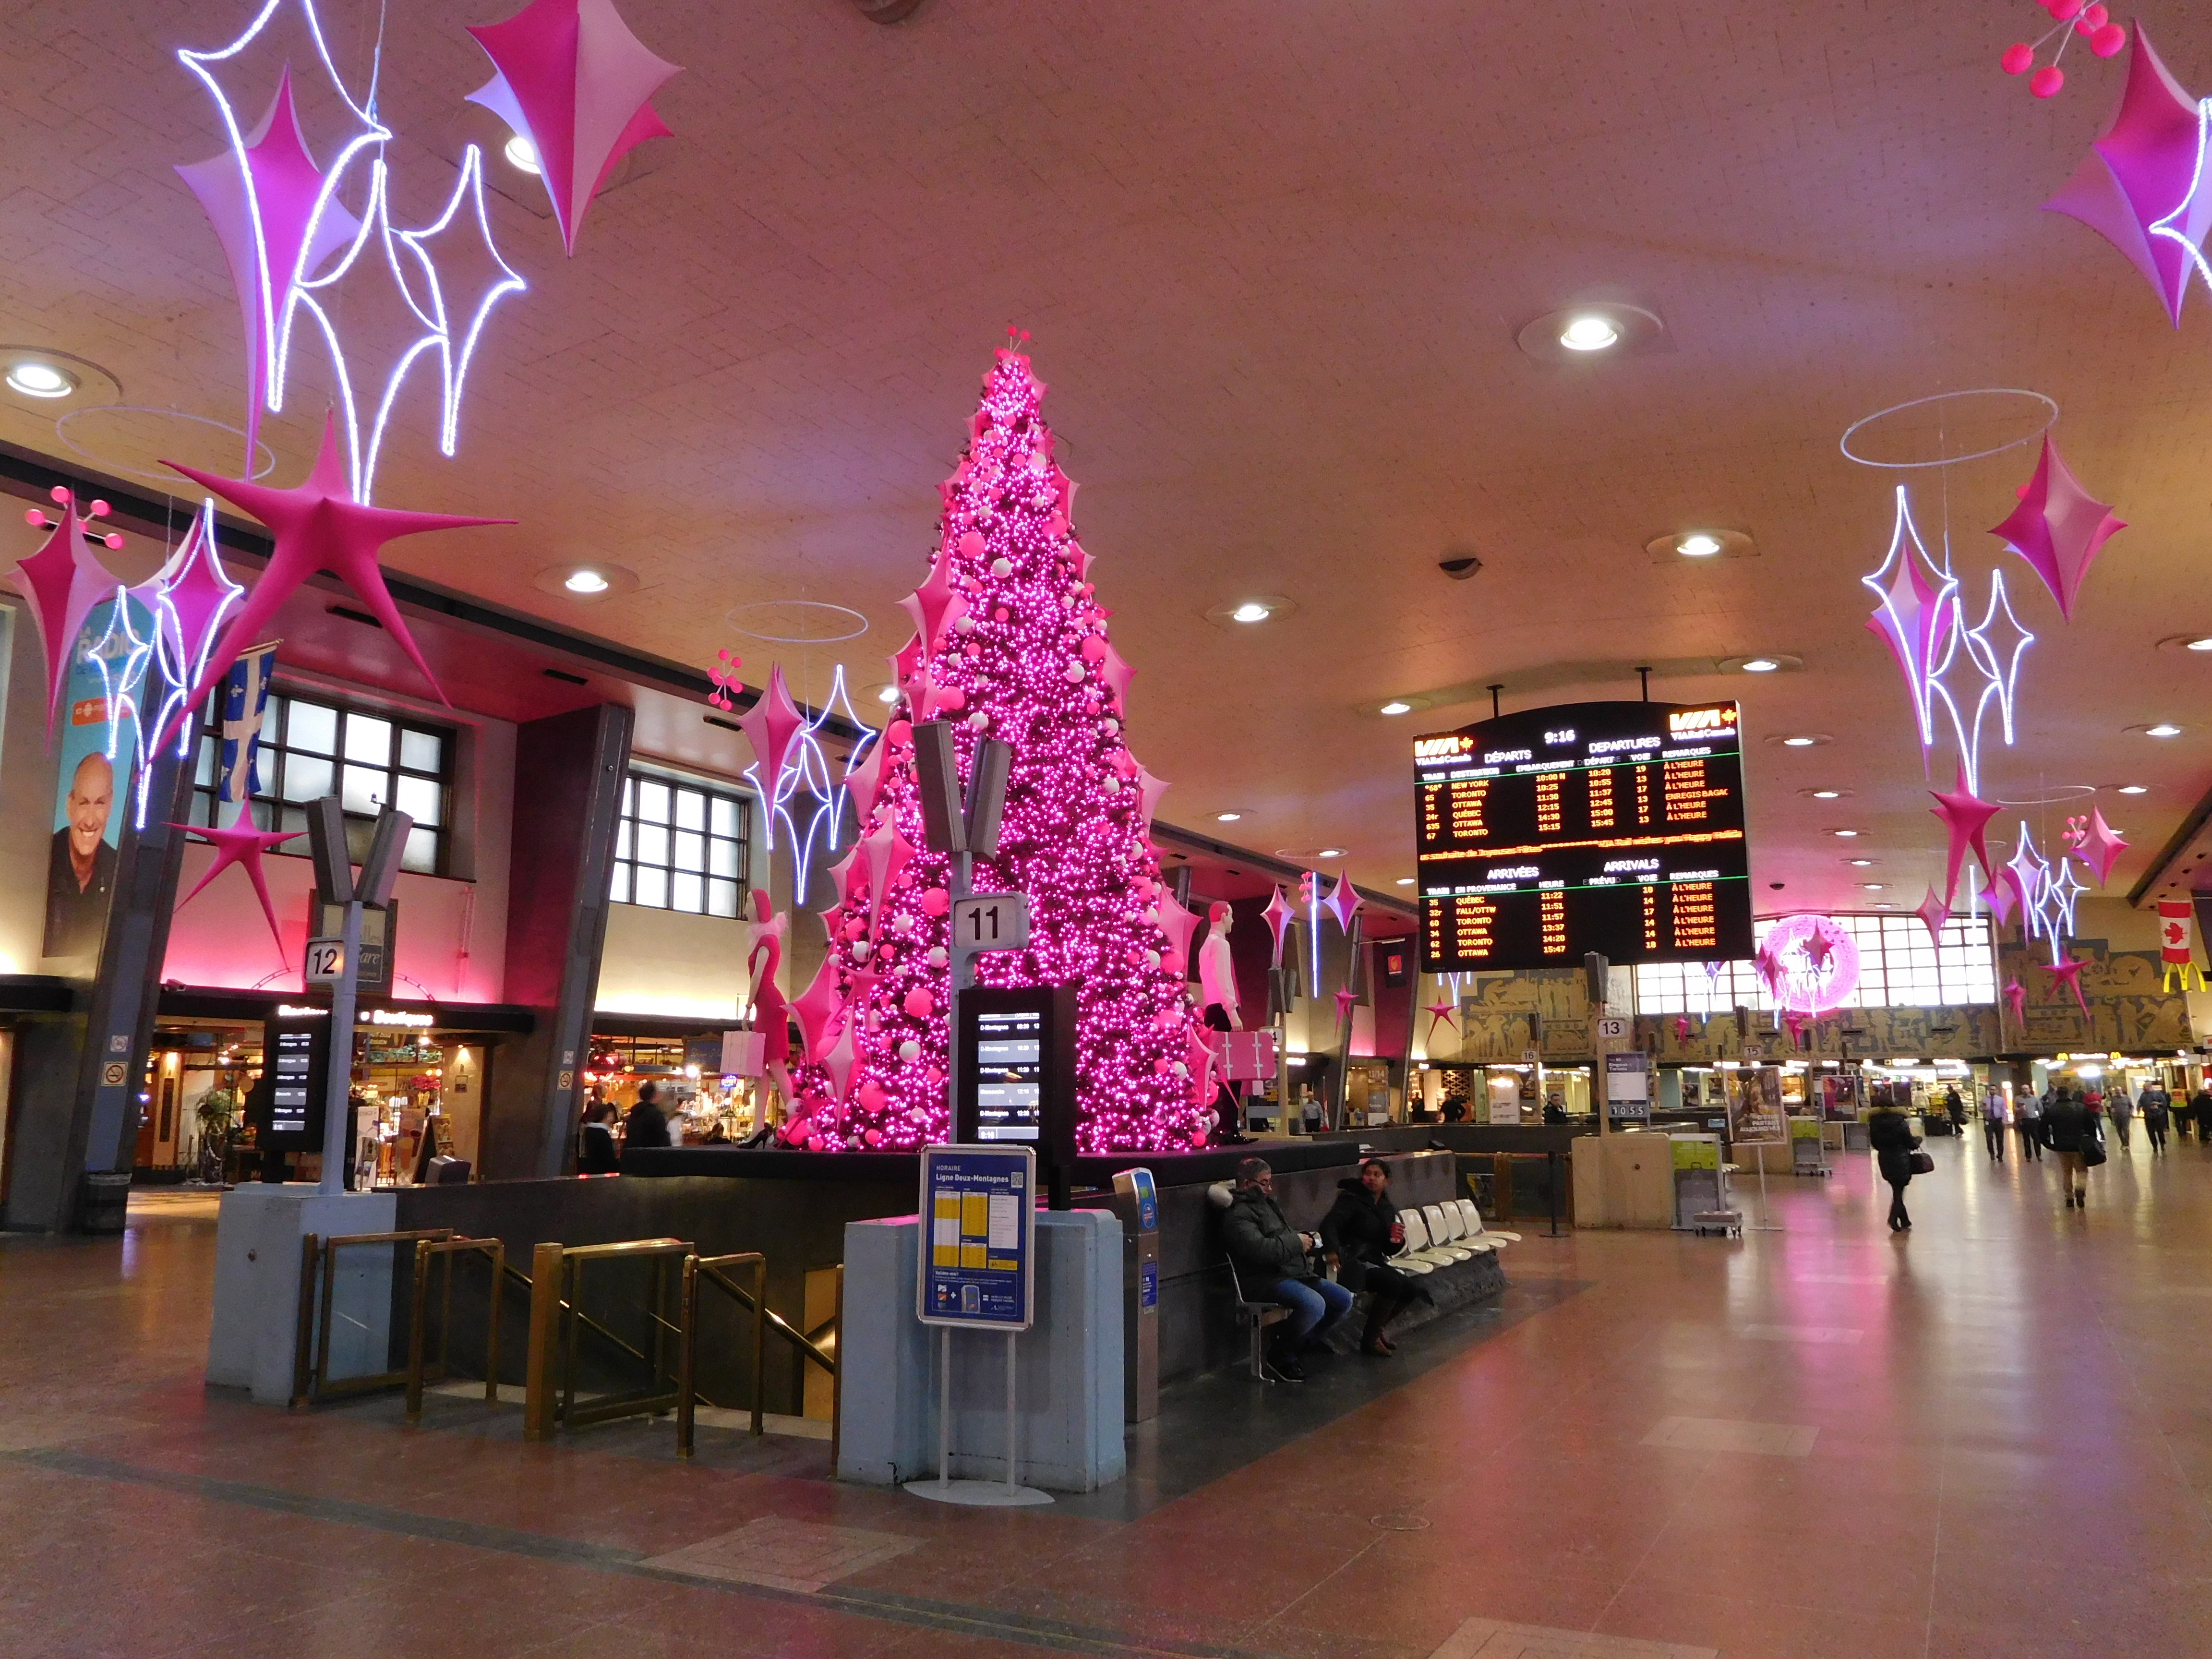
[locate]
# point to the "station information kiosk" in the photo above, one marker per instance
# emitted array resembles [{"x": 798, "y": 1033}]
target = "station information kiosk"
[{"x": 1017, "y": 1075}]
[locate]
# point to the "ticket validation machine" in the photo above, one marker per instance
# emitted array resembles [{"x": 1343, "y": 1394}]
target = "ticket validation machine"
[
  {"x": 1140, "y": 1293},
  {"x": 1017, "y": 1072}
]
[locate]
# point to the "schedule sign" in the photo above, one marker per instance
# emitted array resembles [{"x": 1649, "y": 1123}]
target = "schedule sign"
[{"x": 1612, "y": 827}]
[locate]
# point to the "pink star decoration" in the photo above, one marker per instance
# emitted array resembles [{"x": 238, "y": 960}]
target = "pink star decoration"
[
  {"x": 1343, "y": 900},
  {"x": 267, "y": 202},
  {"x": 936, "y": 604},
  {"x": 1178, "y": 924},
  {"x": 772, "y": 726},
  {"x": 62, "y": 582},
  {"x": 1934, "y": 912},
  {"x": 2058, "y": 528},
  {"x": 820, "y": 1008},
  {"x": 1440, "y": 1011},
  {"x": 2068, "y": 973},
  {"x": 2101, "y": 847},
  {"x": 1345, "y": 1001},
  {"x": 1278, "y": 914},
  {"x": 2141, "y": 186},
  {"x": 1968, "y": 817},
  {"x": 242, "y": 845},
  {"x": 2015, "y": 995},
  {"x": 318, "y": 526},
  {"x": 577, "y": 84},
  {"x": 887, "y": 853}
]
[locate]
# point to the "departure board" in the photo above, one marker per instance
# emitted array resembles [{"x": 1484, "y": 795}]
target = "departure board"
[{"x": 1612, "y": 827}]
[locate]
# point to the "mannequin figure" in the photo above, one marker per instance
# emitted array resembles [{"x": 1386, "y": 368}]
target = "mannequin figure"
[
  {"x": 770, "y": 1018},
  {"x": 1217, "y": 980}
]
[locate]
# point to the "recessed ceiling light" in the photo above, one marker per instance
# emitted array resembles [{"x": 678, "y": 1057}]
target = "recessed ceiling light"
[
  {"x": 2163, "y": 729},
  {"x": 1588, "y": 332},
  {"x": 1395, "y": 705},
  {"x": 522, "y": 155},
  {"x": 887, "y": 694},
  {"x": 1405, "y": 881},
  {"x": 1227, "y": 817},
  {"x": 1330, "y": 853},
  {"x": 1759, "y": 665},
  {"x": 1885, "y": 907},
  {"x": 2203, "y": 642},
  {"x": 34, "y": 379},
  {"x": 1827, "y": 794},
  {"x": 1860, "y": 864},
  {"x": 2133, "y": 789},
  {"x": 1846, "y": 833},
  {"x": 1798, "y": 742},
  {"x": 1872, "y": 886},
  {"x": 586, "y": 581},
  {"x": 1250, "y": 611},
  {"x": 1699, "y": 544}
]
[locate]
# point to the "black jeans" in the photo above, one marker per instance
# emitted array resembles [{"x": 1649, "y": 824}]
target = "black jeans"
[
  {"x": 1993, "y": 1131},
  {"x": 1897, "y": 1215},
  {"x": 2157, "y": 1133},
  {"x": 2030, "y": 1144}
]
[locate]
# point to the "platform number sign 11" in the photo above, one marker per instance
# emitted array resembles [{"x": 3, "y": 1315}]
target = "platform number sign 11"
[{"x": 991, "y": 921}]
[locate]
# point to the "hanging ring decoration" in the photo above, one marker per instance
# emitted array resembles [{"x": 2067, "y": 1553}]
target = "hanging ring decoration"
[
  {"x": 2049, "y": 418},
  {"x": 800, "y": 621}
]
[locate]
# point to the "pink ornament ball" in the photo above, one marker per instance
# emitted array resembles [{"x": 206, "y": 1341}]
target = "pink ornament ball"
[
  {"x": 898, "y": 731},
  {"x": 2094, "y": 18},
  {"x": 952, "y": 697},
  {"x": 2047, "y": 81},
  {"x": 2066, "y": 11},
  {"x": 874, "y": 1137},
  {"x": 1000, "y": 614},
  {"x": 918, "y": 1003},
  {"x": 2019, "y": 57},
  {"x": 873, "y": 1096},
  {"x": 1094, "y": 649},
  {"x": 971, "y": 546},
  {"x": 855, "y": 928},
  {"x": 935, "y": 902},
  {"x": 2108, "y": 40},
  {"x": 814, "y": 1143}
]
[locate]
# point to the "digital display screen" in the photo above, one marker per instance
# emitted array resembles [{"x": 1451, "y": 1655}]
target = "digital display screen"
[
  {"x": 291, "y": 1060},
  {"x": 1009, "y": 1062},
  {"x": 1612, "y": 827}
]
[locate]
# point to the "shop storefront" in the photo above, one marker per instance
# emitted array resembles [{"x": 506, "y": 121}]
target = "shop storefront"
[{"x": 683, "y": 1060}]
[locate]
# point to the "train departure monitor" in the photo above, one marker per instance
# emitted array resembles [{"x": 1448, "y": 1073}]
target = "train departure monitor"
[{"x": 1612, "y": 827}]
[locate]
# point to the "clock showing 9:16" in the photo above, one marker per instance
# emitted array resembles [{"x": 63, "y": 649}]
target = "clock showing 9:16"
[{"x": 1612, "y": 827}]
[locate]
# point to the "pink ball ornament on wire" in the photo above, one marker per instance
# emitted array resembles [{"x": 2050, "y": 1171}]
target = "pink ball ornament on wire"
[
  {"x": 2047, "y": 81},
  {"x": 2019, "y": 57},
  {"x": 2109, "y": 40}
]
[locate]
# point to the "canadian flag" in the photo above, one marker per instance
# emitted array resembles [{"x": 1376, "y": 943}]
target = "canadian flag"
[{"x": 2177, "y": 930}]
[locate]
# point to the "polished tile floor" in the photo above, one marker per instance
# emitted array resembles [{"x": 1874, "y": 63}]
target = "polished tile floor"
[{"x": 1990, "y": 1437}]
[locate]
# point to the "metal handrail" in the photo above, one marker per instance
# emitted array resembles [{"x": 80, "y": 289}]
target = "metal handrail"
[
  {"x": 590, "y": 1323},
  {"x": 549, "y": 1388},
  {"x": 711, "y": 1269},
  {"x": 448, "y": 1248},
  {"x": 311, "y": 1354}
]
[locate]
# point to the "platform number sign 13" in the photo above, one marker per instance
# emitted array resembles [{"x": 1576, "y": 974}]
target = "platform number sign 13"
[
  {"x": 325, "y": 961},
  {"x": 991, "y": 921}
]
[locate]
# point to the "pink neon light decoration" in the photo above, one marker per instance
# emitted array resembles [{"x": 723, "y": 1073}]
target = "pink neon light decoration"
[
  {"x": 1029, "y": 663},
  {"x": 577, "y": 84},
  {"x": 1810, "y": 964}
]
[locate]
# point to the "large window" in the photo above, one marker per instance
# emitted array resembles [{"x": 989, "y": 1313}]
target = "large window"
[
  {"x": 1899, "y": 966},
  {"x": 315, "y": 746},
  {"x": 682, "y": 846}
]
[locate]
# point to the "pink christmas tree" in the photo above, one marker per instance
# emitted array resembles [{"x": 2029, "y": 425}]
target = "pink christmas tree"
[{"x": 1010, "y": 642}]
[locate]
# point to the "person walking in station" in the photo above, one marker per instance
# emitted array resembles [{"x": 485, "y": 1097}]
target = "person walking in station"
[
  {"x": 1894, "y": 1145},
  {"x": 2154, "y": 1103},
  {"x": 2027, "y": 1114},
  {"x": 2119, "y": 1109},
  {"x": 2067, "y": 1130},
  {"x": 1995, "y": 1114}
]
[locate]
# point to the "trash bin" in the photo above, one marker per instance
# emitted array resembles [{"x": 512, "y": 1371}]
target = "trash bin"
[{"x": 106, "y": 1202}]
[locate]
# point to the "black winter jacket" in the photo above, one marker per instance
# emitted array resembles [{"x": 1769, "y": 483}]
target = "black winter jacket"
[
  {"x": 1361, "y": 1231},
  {"x": 1260, "y": 1240},
  {"x": 2064, "y": 1125},
  {"x": 1893, "y": 1144}
]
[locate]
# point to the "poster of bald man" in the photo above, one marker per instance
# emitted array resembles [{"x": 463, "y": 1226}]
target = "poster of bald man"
[{"x": 95, "y": 775}]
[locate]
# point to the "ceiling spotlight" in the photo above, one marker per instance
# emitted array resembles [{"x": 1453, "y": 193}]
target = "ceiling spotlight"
[
  {"x": 1885, "y": 907},
  {"x": 887, "y": 694},
  {"x": 586, "y": 581},
  {"x": 1846, "y": 833},
  {"x": 2201, "y": 643},
  {"x": 2133, "y": 789},
  {"x": 1760, "y": 665},
  {"x": 1330, "y": 853},
  {"x": 2163, "y": 729},
  {"x": 1872, "y": 886},
  {"x": 1405, "y": 881},
  {"x": 1250, "y": 611},
  {"x": 1699, "y": 544},
  {"x": 1860, "y": 864},
  {"x": 34, "y": 379},
  {"x": 1588, "y": 332},
  {"x": 522, "y": 155},
  {"x": 1395, "y": 705},
  {"x": 1799, "y": 742},
  {"x": 1227, "y": 817},
  {"x": 1827, "y": 794}
]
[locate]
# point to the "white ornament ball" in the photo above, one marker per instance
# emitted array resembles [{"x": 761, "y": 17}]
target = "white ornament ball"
[
  {"x": 1002, "y": 567},
  {"x": 1112, "y": 725},
  {"x": 1180, "y": 1069},
  {"x": 965, "y": 625},
  {"x": 1153, "y": 957},
  {"x": 1113, "y": 785},
  {"x": 862, "y": 950},
  {"x": 1075, "y": 672},
  {"x": 909, "y": 1051},
  {"x": 902, "y": 924},
  {"x": 979, "y": 720},
  {"x": 938, "y": 957}
]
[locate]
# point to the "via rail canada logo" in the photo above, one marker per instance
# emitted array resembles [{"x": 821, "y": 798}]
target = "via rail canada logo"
[{"x": 1811, "y": 963}]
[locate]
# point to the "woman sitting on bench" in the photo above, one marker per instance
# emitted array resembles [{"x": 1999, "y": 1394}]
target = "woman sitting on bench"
[{"x": 1360, "y": 1235}]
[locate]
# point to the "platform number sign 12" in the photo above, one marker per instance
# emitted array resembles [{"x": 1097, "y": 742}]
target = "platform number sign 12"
[
  {"x": 325, "y": 961},
  {"x": 991, "y": 921}
]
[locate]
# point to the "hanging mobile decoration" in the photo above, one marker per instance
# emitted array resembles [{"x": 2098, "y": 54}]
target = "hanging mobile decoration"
[
  {"x": 727, "y": 686},
  {"x": 64, "y": 581},
  {"x": 2068, "y": 18},
  {"x": 2059, "y": 527}
]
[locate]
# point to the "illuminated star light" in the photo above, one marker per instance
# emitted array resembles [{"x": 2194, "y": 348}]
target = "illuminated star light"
[
  {"x": 2063, "y": 889},
  {"x": 191, "y": 597},
  {"x": 1917, "y": 613},
  {"x": 1993, "y": 648},
  {"x": 807, "y": 766}
]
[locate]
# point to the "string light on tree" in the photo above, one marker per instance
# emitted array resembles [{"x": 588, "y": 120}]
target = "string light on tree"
[{"x": 1011, "y": 643}]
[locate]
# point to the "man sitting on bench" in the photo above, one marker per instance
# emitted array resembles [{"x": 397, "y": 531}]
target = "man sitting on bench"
[{"x": 1271, "y": 1261}]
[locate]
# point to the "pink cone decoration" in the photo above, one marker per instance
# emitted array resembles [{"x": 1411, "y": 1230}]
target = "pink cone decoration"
[
  {"x": 1150, "y": 789},
  {"x": 865, "y": 780},
  {"x": 1178, "y": 924},
  {"x": 1345, "y": 1002},
  {"x": 276, "y": 227},
  {"x": 318, "y": 526},
  {"x": 887, "y": 854},
  {"x": 190, "y": 597},
  {"x": 242, "y": 845},
  {"x": 935, "y": 606},
  {"x": 820, "y": 1008},
  {"x": 64, "y": 582},
  {"x": 772, "y": 725},
  {"x": 1279, "y": 915},
  {"x": 2139, "y": 186},
  {"x": 1343, "y": 900},
  {"x": 2059, "y": 528},
  {"x": 574, "y": 81},
  {"x": 1934, "y": 912}
]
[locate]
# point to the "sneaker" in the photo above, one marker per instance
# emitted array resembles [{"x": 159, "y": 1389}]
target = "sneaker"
[{"x": 1288, "y": 1369}]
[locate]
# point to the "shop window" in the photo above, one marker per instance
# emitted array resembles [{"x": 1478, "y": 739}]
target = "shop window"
[
  {"x": 312, "y": 746},
  {"x": 682, "y": 846},
  {"x": 1899, "y": 967}
]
